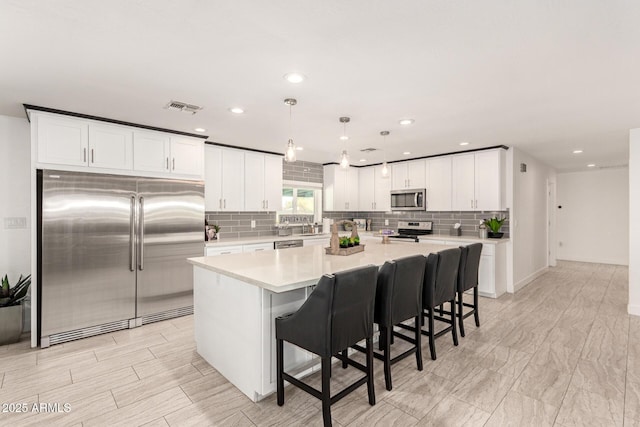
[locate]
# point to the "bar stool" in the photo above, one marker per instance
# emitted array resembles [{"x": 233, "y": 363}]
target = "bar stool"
[
  {"x": 440, "y": 285},
  {"x": 337, "y": 314},
  {"x": 468, "y": 279},
  {"x": 399, "y": 298}
]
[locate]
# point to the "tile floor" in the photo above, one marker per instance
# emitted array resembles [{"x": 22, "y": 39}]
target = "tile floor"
[{"x": 560, "y": 352}]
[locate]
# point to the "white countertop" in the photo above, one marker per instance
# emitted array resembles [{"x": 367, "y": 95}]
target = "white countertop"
[
  {"x": 288, "y": 269},
  {"x": 266, "y": 239}
]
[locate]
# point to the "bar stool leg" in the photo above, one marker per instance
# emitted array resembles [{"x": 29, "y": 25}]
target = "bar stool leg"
[
  {"x": 475, "y": 306},
  {"x": 370, "y": 387},
  {"x": 280, "y": 369},
  {"x": 387, "y": 356},
  {"x": 460, "y": 311},
  {"x": 432, "y": 344},
  {"x": 344, "y": 362},
  {"x": 418, "y": 338},
  {"x": 326, "y": 391},
  {"x": 454, "y": 332}
]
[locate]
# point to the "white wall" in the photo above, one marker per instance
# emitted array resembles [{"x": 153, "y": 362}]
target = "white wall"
[
  {"x": 634, "y": 224},
  {"x": 528, "y": 218},
  {"x": 593, "y": 223}
]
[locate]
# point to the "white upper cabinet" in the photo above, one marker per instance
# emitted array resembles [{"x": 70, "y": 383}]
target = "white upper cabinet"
[
  {"x": 82, "y": 144},
  {"x": 411, "y": 174},
  {"x": 110, "y": 147},
  {"x": 151, "y": 151},
  {"x": 374, "y": 194},
  {"x": 340, "y": 188},
  {"x": 187, "y": 156},
  {"x": 263, "y": 182},
  {"x": 439, "y": 183},
  {"x": 61, "y": 140},
  {"x": 224, "y": 179},
  {"x": 478, "y": 181}
]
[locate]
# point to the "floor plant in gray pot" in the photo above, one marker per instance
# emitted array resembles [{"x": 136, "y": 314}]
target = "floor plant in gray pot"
[{"x": 11, "y": 308}]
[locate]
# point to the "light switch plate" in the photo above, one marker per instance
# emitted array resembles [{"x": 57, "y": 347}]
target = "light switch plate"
[
  {"x": 15, "y": 222},
  {"x": 253, "y": 223},
  {"x": 386, "y": 222}
]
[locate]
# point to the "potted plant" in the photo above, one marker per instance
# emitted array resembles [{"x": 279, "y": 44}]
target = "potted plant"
[
  {"x": 11, "y": 308},
  {"x": 344, "y": 242},
  {"x": 215, "y": 230},
  {"x": 494, "y": 224},
  {"x": 356, "y": 241}
]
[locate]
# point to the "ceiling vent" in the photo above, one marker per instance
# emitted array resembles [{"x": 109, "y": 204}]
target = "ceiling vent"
[
  {"x": 368, "y": 150},
  {"x": 182, "y": 106}
]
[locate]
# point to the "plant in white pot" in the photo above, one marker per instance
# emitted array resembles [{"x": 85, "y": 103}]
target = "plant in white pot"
[{"x": 11, "y": 308}]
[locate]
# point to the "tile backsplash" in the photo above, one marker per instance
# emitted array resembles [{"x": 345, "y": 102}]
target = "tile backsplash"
[
  {"x": 303, "y": 171},
  {"x": 238, "y": 224},
  {"x": 442, "y": 221}
]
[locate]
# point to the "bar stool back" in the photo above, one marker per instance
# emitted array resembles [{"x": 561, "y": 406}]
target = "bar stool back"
[{"x": 468, "y": 279}]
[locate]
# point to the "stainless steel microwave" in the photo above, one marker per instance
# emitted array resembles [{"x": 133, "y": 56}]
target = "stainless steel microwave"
[{"x": 409, "y": 200}]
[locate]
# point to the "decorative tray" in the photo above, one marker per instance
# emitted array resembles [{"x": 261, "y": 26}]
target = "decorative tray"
[{"x": 347, "y": 251}]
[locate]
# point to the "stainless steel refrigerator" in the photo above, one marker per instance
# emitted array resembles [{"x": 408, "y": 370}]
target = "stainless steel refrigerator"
[{"x": 112, "y": 251}]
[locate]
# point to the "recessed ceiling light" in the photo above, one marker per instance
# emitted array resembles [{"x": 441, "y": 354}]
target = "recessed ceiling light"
[
  {"x": 406, "y": 153},
  {"x": 464, "y": 143},
  {"x": 294, "y": 77},
  {"x": 299, "y": 148},
  {"x": 363, "y": 160},
  {"x": 406, "y": 121},
  {"x": 344, "y": 138},
  {"x": 591, "y": 165},
  {"x": 236, "y": 110},
  {"x": 200, "y": 129},
  {"x": 577, "y": 151}
]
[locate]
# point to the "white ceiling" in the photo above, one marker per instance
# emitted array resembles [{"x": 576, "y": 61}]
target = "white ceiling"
[{"x": 548, "y": 76}]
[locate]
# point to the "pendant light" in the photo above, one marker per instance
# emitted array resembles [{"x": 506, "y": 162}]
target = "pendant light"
[
  {"x": 385, "y": 167},
  {"x": 344, "y": 157},
  {"x": 290, "y": 154}
]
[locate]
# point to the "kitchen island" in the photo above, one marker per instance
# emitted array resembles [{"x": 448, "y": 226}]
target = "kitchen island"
[{"x": 238, "y": 296}]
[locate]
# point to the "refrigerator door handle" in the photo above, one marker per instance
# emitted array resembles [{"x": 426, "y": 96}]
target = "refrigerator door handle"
[
  {"x": 132, "y": 235},
  {"x": 141, "y": 235}
]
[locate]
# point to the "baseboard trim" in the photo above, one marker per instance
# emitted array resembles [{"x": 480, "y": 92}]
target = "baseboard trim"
[
  {"x": 530, "y": 278},
  {"x": 633, "y": 309},
  {"x": 595, "y": 261}
]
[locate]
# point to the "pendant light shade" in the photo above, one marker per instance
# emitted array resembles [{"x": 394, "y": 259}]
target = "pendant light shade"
[
  {"x": 290, "y": 154},
  {"x": 385, "y": 167},
  {"x": 344, "y": 157}
]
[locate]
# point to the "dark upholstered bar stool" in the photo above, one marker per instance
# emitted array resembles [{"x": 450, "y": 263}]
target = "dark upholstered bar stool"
[
  {"x": 337, "y": 314},
  {"x": 440, "y": 285},
  {"x": 468, "y": 279},
  {"x": 399, "y": 298}
]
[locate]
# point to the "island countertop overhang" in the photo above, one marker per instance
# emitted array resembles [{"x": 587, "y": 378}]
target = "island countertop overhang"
[{"x": 289, "y": 269}]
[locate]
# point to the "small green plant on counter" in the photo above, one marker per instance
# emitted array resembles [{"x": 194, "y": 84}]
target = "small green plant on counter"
[
  {"x": 344, "y": 242},
  {"x": 13, "y": 296},
  {"x": 494, "y": 224},
  {"x": 356, "y": 241},
  {"x": 216, "y": 228}
]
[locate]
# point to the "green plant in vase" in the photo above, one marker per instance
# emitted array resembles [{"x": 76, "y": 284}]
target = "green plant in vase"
[
  {"x": 494, "y": 225},
  {"x": 356, "y": 241},
  {"x": 344, "y": 242}
]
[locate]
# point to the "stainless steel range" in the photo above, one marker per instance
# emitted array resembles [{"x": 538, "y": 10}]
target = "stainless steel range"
[{"x": 413, "y": 229}]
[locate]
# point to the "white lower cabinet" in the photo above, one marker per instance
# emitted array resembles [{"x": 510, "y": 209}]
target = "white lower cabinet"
[
  {"x": 258, "y": 247},
  {"x": 224, "y": 250},
  {"x": 316, "y": 242}
]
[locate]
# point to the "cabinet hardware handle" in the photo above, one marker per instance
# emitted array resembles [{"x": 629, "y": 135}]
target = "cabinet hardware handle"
[
  {"x": 174, "y": 163},
  {"x": 84, "y": 155},
  {"x": 267, "y": 203},
  {"x": 471, "y": 203},
  {"x": 257, "y": 250},
  {"x": 132, "y": 236},
  {"x": 476, "y": 204},
  {"x": 224, "y": 253},
  {"x": 92, "y": 160},
  {"x": 225, "y": 204},
  {"x": 220, "y": 203},
  {"x": 141, "y": 235},
  {"x": 167, "y": 164}
]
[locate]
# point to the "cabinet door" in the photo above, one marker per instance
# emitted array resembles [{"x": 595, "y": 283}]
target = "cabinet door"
[
  {"x": 110, "y": 147},
  {"x": 273, "y": 182},
  {"x": 62, "y": 141},
  {"x": 351, "y": 188},
  {"x": 187, "y": 156},
  {"x": 316, "y": 242},
  {"x": 254, "y": 170},
  {"x": 339, "y": 189},
  {"x": 151, "y": 152},
  {"x": 258, "y": 247},
  {"x": 212, "y": 178},
  {"x": 399, "y": 178},
  {"x": 225, "y": 250},
  {"x": 416, "y": 177},
  {"x": 382, "y": 191},
  {"x": 488, "y": 183},
  {"x": 439, "y": 184},
  {"x": 232, "y": 180},
  {"x": 463, "y": 179},
  {"x": 366, "y": 185}
]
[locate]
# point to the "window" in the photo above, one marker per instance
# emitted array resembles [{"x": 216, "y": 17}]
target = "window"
[{"x": 302, "y": 201}]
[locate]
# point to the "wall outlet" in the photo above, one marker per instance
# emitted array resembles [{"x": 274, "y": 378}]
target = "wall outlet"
[
  {"x": 15, "y": 222},
  {"x": 386, "y": 222},
  {"x": 253, "y": 223}
]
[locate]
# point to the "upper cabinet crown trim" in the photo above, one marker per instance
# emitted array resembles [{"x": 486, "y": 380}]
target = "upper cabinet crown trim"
[
  {"x": 255, "y": 150},
  {"x": 28, "y": 108}
]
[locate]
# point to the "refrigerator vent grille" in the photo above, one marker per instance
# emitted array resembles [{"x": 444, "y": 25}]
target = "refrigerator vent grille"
[
  {"x": 88, "y": 332},
  {"x": 170, "y": 314}
]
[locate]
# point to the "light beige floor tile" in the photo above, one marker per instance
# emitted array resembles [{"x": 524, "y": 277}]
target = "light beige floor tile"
[
  {"x": 238, "y": 419},
  {"x": 143, "y": 411},
  {"x": 483, "y": 388},
  {"x": 506, "y": 361},
  {"x": 154, "y": 384},
  {"x": 109, "y": 365},
  {"x": 16, "y": 411},
  {"x": 420, "y": 394},
  {"x": 556, "y": 357},
  {"x": 131, "y": 346},
  {"x": 542, "y": 383},
  {"x": 28, "y": 385},
  {"x": 384, "y": 414},
  {"x": 632, "y": 401},
  {"x": 583, "y": 408},
  {"x": 72, "y": 393},
  {"x": 73, "y": 413},
  {"x": 206, "y": 386},
  {"x": 180, "y": 344},
  {"x": 160, "y": 422},
  {"x": 18, "y": 362},
  {"x": 78, "y": 346},
  {"x": 567, "y": 336},
  {"x": 519, "y": 410},
  {"x": 606, "y": 346},
  {"x": 597, "y": 378},
  {"x": 67, "y": 360},
  {"x": 453, "y": 412},
  {"x": 167, "y": 362},
  {"x": 453, "y": 365}
]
